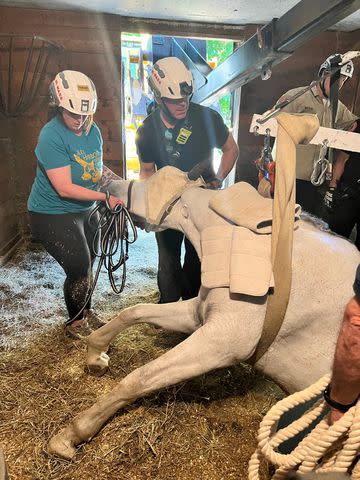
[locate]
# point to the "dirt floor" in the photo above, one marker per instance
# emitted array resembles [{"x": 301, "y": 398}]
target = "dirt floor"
[{"x": 202, "y": 429}]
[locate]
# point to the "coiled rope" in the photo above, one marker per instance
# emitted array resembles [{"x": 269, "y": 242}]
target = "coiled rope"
[
  {"x": 111, "y": 236},
  {"x": 325, "y": 449}
]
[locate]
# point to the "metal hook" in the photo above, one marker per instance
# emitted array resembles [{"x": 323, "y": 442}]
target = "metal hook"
[{"x": 267, "y": 138}]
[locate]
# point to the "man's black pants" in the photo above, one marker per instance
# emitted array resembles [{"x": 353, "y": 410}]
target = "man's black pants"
[
  {"x": 174, "y": 280},
  {"x": 345, "y": 216}
]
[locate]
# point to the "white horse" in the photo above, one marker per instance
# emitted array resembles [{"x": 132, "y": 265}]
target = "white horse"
[{"x": 224, "y": 328}]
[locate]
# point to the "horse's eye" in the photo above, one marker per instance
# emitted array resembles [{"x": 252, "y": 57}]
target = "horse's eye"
[{"x": 185, "y": 211}]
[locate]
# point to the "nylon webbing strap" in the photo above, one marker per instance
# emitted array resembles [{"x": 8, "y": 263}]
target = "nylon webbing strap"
[
  {"x": 293, "y": 129},
  {"x": 334, "y": 101}
]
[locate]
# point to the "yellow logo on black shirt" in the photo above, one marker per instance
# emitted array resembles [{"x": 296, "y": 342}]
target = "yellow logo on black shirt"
[{"x": 183, "y": 136}]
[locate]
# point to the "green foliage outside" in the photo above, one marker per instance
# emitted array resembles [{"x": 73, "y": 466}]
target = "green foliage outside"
[{"x": 220, "y": 50}]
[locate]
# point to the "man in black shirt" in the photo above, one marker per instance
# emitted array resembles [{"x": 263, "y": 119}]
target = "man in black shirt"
[
  {"x": 343, "y": 196},
  {"x": 184, "y": 135}
]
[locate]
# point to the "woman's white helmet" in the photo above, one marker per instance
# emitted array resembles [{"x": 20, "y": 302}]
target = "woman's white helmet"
[
  {"x": 336, "y": 60},
  {"x": 74, "y": 91},
  {"x": 170, "y": 78}
]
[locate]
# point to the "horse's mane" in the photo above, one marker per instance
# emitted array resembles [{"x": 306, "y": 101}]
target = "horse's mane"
[
  {"x": 320, "y": 224},
  {"x": 316, "y": 222}
]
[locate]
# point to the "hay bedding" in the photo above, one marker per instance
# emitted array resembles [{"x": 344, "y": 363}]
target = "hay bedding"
[{"x": 202, "y": 429}]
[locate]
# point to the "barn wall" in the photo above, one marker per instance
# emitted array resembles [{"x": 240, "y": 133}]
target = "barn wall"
[
  {"x": 9, "y": 232},
  {"x": 298, "y": 70},
  {"x": 92, "y": 45},
  {"x": 87, "y": 47}
]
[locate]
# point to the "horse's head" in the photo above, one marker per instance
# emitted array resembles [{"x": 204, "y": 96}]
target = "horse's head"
[{"x": 151, "y": 201}]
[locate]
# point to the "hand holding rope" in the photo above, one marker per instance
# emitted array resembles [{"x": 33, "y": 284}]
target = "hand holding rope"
[{"x": 113, "y": 235}]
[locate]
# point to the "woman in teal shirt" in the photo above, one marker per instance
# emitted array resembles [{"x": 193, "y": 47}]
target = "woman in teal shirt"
[{"x": 66, "y": 187}]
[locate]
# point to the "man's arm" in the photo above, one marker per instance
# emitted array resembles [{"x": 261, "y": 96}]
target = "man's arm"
[
  {"x": 230, "y": 153},
  {"x": 338, "y": 167},
  {"x": 146, "y": 169},
  {"x": 345, "y": 383}
]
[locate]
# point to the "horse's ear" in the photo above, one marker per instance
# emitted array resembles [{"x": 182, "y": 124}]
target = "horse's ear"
[
  {"x": 194, "y": 173},
  {"x": 201, "y": 169}
]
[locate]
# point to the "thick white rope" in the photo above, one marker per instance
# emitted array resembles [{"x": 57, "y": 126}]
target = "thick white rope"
[{"x": 325, "y": 449}]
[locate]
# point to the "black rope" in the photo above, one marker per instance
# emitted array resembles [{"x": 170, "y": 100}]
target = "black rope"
[{"x": 111, "y": 236}]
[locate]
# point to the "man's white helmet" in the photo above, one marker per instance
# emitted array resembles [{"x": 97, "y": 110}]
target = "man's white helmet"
[
  {"x": 74, "y": 91},
  {"x": 336, "y": 60},
  {"x": 170, "y": 78}
]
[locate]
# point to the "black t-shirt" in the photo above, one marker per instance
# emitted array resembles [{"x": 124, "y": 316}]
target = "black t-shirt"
[
  {"x": 190, "y": 142},
  {"x": 351, "y": 173}
]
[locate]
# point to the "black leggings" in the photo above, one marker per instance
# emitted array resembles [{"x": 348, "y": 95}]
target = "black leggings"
[{"x": 68, "y": 238}]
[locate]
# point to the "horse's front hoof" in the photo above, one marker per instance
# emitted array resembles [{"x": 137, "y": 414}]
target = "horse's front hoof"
[
  {"x": 97, "y": 365},
  {"x": 60, "y": 446}
]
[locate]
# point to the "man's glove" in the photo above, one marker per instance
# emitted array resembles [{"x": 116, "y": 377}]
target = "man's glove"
[
  {"x": 214, "y": 184},
  {"x": 329, "y": 199}
]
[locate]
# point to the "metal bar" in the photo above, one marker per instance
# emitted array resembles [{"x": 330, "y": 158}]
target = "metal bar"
[
  {"x": 19, "y": 35},
  {"x": 199, "y": 61},
  {"x": 179, "y": 52},
  {"x": 275, "y": 42},
  {"x": 9, "y": 85},
  {"x": 308, "y": 18},
  {"x": 25, "y": 76},
  {"x": 245, "y": 64}
]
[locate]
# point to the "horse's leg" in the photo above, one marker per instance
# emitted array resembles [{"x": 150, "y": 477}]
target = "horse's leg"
[
  {"x": 214, "y": 345},
  {"x": 178, "y": 316}
]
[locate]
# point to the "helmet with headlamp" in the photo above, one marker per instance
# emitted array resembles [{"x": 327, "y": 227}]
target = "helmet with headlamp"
[
  {"x": 73, "y": 91},
  {"x": 170, "y": 79},
  {"x": 336, "y": 61}
]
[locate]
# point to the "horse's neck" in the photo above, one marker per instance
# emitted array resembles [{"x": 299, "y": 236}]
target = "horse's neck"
[{"x": 138, "y": 198}]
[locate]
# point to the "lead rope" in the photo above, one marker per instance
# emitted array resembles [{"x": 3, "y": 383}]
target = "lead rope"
[
  {"x": 325, "y": 449},
  {"x": 111, "y": 236}
]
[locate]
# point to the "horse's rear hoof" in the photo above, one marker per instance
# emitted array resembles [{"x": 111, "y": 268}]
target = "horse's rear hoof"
[{"x": 60, "y": 447}]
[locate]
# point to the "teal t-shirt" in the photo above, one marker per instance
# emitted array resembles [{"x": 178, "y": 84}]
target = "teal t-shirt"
[{"x": 59, "y": 147}]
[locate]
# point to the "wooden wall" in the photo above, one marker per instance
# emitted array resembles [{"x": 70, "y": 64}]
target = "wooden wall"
[
  {"x": 298, "y": 70},
  {"x": 88, "y": 47},
  {"x": 92, "y": 45},
  {"x": 9, "y": 231}
]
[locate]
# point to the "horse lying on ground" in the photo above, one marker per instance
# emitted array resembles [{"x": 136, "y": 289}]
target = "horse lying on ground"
[{"x": 224, "y": 328}]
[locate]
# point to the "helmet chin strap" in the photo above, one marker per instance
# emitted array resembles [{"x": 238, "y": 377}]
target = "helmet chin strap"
[
  {"x": 170, "y": 118},
  {"x": 322, "y": 86}
]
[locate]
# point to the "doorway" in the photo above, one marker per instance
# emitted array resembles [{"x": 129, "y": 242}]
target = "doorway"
[{"x": 138, "y": 54}]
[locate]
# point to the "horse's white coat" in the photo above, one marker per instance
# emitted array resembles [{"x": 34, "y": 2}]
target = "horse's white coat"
[{"x": 225, "y": 328}]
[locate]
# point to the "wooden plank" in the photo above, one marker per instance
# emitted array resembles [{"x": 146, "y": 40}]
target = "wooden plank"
[
  {"x": 39, "y": 17},
  {"x": 8, "y": 220},
  {"x": 112, "y": 151}
]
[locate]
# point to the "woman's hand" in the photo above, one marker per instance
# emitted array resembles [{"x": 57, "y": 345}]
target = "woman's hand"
[{"x": 113, "y": 201}]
